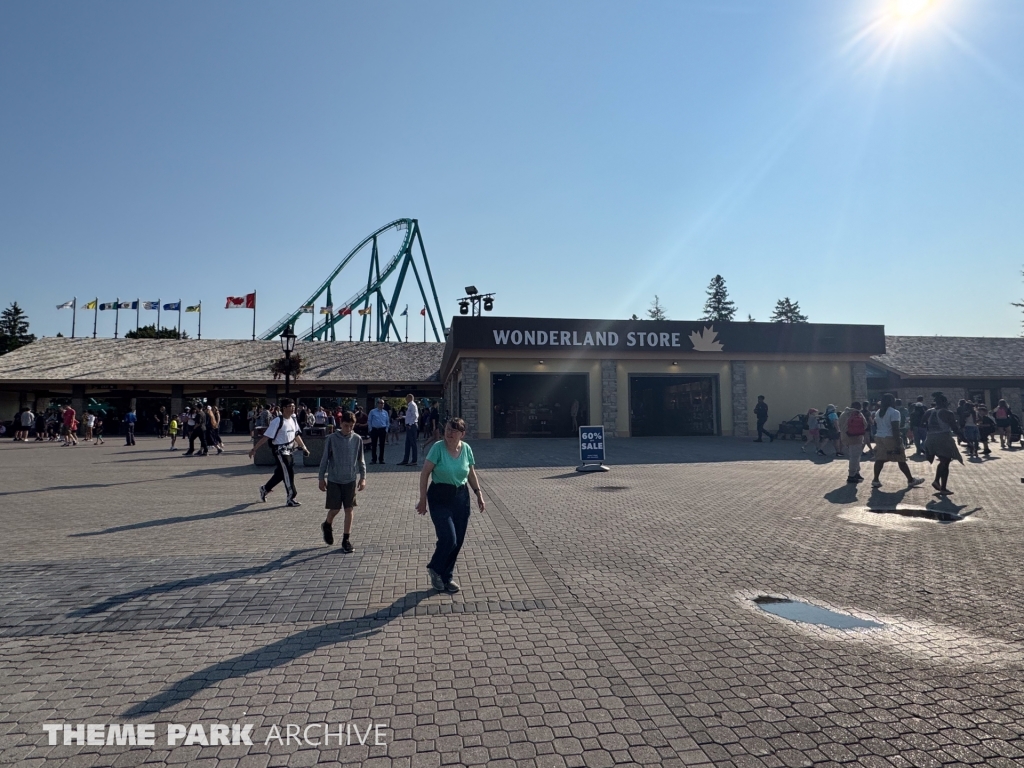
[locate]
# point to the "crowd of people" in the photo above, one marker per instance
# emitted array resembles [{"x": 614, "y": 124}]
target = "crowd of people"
[{"x": 882, "y": 430}]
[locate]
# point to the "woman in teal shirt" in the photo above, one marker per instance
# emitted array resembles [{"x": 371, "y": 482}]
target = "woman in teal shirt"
[{"x": 449, "y": 467}]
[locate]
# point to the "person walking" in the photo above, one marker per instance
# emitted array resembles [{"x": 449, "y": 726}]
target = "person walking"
[
  {"x": 986, "y": 428},
  {"x": 98, "y": 429},
  {"x": 172, "y": 430},
  {"x": 761, "y": 412},
  {"x": 412, "y": 420},
  {"x": 889, "y": 442},
  {"x": 1002, "y": 414},
  {"x": 213, "y": 414},
  {"x": 26, "y": 420},
  {"x": 283, "y": 435},
  {"x": 342, "y": 473},
  {"x": 450, "y": 470},
  {"x": 90, "y": 423},
  {"x": 832, "y": 430},
  {"x": 130, "y": 420},
  {"x": 969, "y": 426},
  {"x": 852, "y": 427},
  {"x": 916, "y": 421},
  {"x": 378, "y": 421},
  {"x": 940, "y": 443},
  {"x": 813, "y": 432}
]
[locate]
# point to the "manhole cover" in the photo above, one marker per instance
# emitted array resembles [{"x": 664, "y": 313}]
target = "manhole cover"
[
  {"x": 795, "y": 610},
  {"x": 611, "y": 488}
]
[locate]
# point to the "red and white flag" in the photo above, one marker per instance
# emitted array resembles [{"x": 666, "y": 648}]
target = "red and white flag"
[{"x": 241, "y": 302}]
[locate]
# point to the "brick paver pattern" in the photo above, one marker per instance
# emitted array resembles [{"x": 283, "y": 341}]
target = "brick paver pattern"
[{"x": 604, "y": 619}]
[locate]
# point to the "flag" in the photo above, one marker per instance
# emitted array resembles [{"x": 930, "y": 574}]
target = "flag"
[
  {"x": 67, "y": 305},
  {"x": 173, "y": 307},
  {"x": 405, "y": 312},
  {"x": 250, "y": 300},
  {"x": 126, "y": 305},
  {"x": 367, "y": 311},
  {"x": 91, "y": 305},
  {"x": 108, "y": 305},
  {"x": 151, "y": 305},
  {"x": 135, "y": 305},
  {"x": 328, "y": 310},
  {"x": 345, "y": 311},
  {"x": 234, "y": 302},
  {"x": 195, "y": 308},
  {"x": 307, "y": 309},
  {"x": 423, "y": 311}
]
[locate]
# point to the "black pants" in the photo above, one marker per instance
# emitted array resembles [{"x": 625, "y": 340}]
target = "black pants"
[
  {"x": 197, "y": 432},
  {"x": 761, "y": 430},
  {"x": 411, "y": 446},
  {"x": 129, "y": 434},
  {"x": 378, "y": 436},
  {"x": 450, "y": 515},
  {"x": 284, "y": 470}
]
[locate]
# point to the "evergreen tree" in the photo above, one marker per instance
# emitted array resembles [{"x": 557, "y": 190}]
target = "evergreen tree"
[
  {"x": 151, "y": 332},
  {"x": 718, "y": 307},
  {"x": 634, "y": 317},
  {"x": 750, "y": 319},
  {"x": 14, "y": 329},
  {"x": 656, "y": 312},
  {"x": 787, "y": 311}
]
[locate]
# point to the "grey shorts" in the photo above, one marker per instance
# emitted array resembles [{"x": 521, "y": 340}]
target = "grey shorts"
[{"x": 341, "y": 495}]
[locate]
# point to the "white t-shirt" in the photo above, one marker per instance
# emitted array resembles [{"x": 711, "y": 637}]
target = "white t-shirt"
[
  {"x": 320, "y": 417},
  {"x": 883, "y": 424},
  {"x": 90, "y": 420},
  {"x": 281, "y": 432},
  {"x": 412, "y": 413}
]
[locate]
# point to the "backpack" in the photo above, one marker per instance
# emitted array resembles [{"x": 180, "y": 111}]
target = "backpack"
[{"x": 856, "y": 425}]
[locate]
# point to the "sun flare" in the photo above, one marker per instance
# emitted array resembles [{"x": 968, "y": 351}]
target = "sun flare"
[{"x": 910, "y": 9}]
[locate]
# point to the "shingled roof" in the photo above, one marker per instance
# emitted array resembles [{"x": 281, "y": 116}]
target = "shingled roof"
[
  {"x": 221, "y": 360},
  {"x": 954, "y": 357}
]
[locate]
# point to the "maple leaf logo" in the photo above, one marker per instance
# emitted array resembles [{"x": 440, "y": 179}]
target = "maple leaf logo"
[{"x": 704, "y": 341}]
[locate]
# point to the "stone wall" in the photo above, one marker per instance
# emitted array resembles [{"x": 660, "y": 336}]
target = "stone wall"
[
  {"x": 470, "y": 396},
  {"x": 740, "y": 427},
  {"x": 858, "y": 382},
  {"x": 609, "y": 396}
]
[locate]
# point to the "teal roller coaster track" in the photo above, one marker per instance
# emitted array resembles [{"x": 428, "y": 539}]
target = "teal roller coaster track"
[{"x": 378, "y": 318}]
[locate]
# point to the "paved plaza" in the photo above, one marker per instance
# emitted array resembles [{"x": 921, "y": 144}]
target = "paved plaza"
[{"x": 605, "y": 619}]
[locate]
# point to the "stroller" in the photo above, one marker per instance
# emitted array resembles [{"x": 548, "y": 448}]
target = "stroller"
[{"x": 794, "y": 428}]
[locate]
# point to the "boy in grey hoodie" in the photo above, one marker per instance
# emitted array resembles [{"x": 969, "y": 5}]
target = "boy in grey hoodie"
[{"x": 342, "y": 473}]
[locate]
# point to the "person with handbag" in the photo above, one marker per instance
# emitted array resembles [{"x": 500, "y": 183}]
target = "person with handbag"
[{"x": 450, "y": 469}]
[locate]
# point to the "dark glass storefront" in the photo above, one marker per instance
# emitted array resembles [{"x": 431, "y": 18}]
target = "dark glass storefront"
[
  {"x": 538, "y": 404},
  {"x": 673, "y": 405}
]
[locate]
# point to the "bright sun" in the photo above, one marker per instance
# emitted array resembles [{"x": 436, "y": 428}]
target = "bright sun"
[{"x": 910, "y": 9}]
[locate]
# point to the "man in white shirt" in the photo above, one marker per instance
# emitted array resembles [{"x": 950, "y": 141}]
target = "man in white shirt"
[
  {"x": 283, "y": 434},
  {"x": 412, "y": 420}
]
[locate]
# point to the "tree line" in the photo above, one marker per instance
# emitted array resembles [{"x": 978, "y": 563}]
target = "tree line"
[{"x": 719, "y": 307}]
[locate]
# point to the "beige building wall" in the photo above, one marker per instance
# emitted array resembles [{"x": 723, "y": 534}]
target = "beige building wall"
[
  {"x": 511, "y": 365},
  {"x": 721, "y": 369},
  {"x": 790, "y": 388}
]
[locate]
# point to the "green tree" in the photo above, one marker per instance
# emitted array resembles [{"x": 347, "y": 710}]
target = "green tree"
[
  {"x": 656, "y": 312},
  {"x": 151, "y": 332},
  {"x": 787, "y": 311},
  {"x": 14, "y": 329},
  {"x": 718, "y": 307},
  {"x": 634, "y": 317}
]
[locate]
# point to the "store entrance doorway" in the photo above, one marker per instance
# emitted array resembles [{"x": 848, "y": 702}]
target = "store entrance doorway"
[
  {"x": 673, "y": 405},
  {"x": 538, "y": 404}
]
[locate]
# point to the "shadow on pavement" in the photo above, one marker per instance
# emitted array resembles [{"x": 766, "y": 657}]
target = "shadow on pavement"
[
  {"x": 238, "y": 509},
  {"x": 279, "y": 653},
  {"x": 285, "y": 561}
]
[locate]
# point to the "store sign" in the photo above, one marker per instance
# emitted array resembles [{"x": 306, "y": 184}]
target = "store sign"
[
  {"x": 534, "y": 333},
  {"x": 592, "y": 445}
]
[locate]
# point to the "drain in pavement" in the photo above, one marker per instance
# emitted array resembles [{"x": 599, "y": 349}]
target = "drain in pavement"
[
  {"x": 795, "y": 610},
  {"x": 611, "y": 488}
]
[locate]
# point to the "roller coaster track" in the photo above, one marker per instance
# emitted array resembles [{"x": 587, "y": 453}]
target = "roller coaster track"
[{"x": 383, "y": 311}]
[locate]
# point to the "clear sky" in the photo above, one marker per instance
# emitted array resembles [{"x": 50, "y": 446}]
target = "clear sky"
[{"x": 575, "y": 157}]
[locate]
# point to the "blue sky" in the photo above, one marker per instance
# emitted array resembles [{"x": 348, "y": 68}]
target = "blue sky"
[{"x": 574, "y": 157}]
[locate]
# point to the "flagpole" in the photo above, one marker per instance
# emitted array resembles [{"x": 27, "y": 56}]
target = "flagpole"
[
  {"x": 424, "y": 326},
  {"x": 312, "y": 326},
  {"x": 350, "y": 324},
  {"x": 158, "y": 314},
  {"x": 179, "y": 319},
  {"x": 74, "y": 314},
  {"x": 95, "y": 315},
  {"x": 254, "y": 314},
  {"x": 138, "y": 308},
  {"x": 406, "y": 322},
  {"x": 200, "y": 334},
  {"x": 117, "y": 314}
]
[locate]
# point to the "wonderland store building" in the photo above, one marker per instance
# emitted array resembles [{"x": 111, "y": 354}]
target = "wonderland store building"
[{"x": 535, "y": 377}]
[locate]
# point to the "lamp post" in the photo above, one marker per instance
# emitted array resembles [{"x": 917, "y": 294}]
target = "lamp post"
[{"x": 288, "y": 346}]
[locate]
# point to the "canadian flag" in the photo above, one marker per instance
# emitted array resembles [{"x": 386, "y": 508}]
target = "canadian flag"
[{"x": 241, "y": 302}]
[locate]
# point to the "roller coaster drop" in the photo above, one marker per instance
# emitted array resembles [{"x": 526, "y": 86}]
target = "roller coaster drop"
[{"x": 384, "y": 312}]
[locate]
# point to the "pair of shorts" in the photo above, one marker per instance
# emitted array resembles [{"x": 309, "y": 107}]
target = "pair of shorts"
[
  {"x": 340, "y": 495},
  {"x": 1002, "y": 423}
]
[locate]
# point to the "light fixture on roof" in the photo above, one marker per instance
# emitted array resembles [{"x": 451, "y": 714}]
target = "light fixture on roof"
[
  {"x": 473, "y": 301},
  {"x": 471, "y": 290}
]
